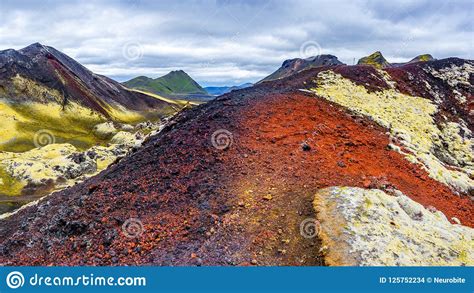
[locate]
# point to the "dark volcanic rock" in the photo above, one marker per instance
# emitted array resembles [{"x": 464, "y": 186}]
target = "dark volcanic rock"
[{"x": 293, "y": 66}]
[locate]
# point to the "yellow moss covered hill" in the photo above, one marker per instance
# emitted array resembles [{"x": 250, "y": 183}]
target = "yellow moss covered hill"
[
  {"x": 410, "y": 122},
  {"x": 39, "y": 138},
  {"x": 69, "y": 123},
  {"x": 422, "y": 58},
  {"x": 375, "y": 59},
  {"x": 56, "y": 165}
]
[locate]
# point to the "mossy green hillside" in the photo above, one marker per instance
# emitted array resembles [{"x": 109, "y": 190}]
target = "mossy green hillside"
[
  {"x": 422, "y": 58},
  {"x": 375, "y": 59},
  {"x": 175, "y": 82},
  {"x": 9, "y": 185}
]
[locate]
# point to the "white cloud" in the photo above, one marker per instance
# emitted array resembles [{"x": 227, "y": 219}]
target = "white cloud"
[{"x": 230, "y": 42}]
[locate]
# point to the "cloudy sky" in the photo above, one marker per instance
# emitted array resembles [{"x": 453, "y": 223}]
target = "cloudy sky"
[{"x": 232, "y": 42}]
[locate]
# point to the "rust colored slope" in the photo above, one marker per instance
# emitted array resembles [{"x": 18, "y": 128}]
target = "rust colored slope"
[
  {"x": 345, "y": 150},
  {"x": 201, "y": 205}
]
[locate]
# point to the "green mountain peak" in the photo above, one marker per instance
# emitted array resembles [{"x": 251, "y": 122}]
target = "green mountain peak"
[
  {"x": 375, "y": 59},
  {"x": 422, "y": 58},
  {"x": 175, "y": 82}
]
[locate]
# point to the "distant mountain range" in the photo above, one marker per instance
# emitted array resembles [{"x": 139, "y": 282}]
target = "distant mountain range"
[
  {"x": 178, "y": 84},
  {"x": 220, "y": 90},
  {"x": 376, "y": 59}
]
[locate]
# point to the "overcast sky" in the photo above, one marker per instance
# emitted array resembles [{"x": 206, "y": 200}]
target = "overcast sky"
[{"x": 232, "y": 42}]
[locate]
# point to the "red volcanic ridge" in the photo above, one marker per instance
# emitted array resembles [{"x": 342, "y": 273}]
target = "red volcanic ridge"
[{"x": 236, "y": 200}]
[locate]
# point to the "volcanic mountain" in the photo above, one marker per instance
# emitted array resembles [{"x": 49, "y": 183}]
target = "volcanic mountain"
[
  {"x": 338, "y": 165},
  {"x": 375, "y": 59},
  {"x": 422, "y": 58},
  {"x": 174, "y": 83},
  {"x": 293, "y": 66},
  {"x": 42, "y": 88},
  {"x": 419, "y": 58}
]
